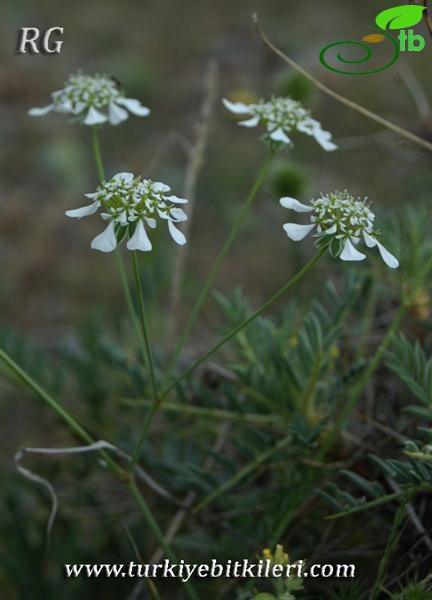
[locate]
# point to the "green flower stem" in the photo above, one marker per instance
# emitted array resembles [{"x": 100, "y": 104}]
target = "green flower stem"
[
  {"x": 157, "y": 533},
  {"x": 82, "y": 434},
  {"x": 139, "y": 325},
  {"x": 285, "y": 288},
  {"x": 208, "y": 285},
  {"x": 120, "y": 266},
  {"x": 247, "y": 470},
  {"x": 97, "y": 153},
  {"x": 212, "y": 413},
  {"x": 296, "y": 279},
  {"x": 362, "y": 383},
  {"x": 390, "y": 548},
  {"x": 128, "y": 298},
  {"x": 374, "y": 363},
  {"x": 150, "y": 362},
  {"x": 368, "y": 505},
  {"x": 309, "y": 399},
  {"x": 146, "y": 351},
  {"x": 64, "y": 415}
]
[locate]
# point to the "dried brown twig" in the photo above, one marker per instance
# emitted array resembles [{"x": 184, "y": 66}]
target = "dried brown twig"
[
  {"x": 353, "y": 105},
  {"x": 196, "y": 160},
  {"x": 427, "y": 15}
]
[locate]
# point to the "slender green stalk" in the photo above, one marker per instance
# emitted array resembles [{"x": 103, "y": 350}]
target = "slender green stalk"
[
  {"x": 298, "y": 277},
  {"x": 76, "y": 428},
  {"x": 361, "y": 385},
  {"x": 143, "y": 322},
  {"x": 208, "y": 285},
  {"x": 301, "y": 491},
  {"x": 97, "y": 153},
  {"x": 367, "y": 505},
  {"x": 309, "y": 399},
  {"x": 376, "y": 359},
  {"x": 285, "y": 288},
  {"x": 390, "y": 548},
  {"x": 250, "y": 468},
  {"x": 367, "y": 322},
  {"x": 156, "y": 531},
  {"x": 80, "y": 432},
  {"x": 120, "y": 266},
  {"x": 212, "y": 413},
  {"x": 128, "y": 297},
  {"x": 29, "y": 382},
  {"x": 149, "y": 356},
  {"x": 61, "y": 412},
  {"x": 153, "y": 590}
]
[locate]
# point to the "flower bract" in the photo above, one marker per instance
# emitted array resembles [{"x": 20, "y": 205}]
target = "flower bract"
[
  {"x": 281, "y": 117},
  {"x": 94, "y": 99},
  {"x": 132, "y": 205},
  {"x": 340, "y": 221}
]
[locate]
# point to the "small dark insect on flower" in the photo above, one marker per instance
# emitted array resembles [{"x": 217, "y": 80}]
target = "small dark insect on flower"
[{"x": 117, "y": 82}]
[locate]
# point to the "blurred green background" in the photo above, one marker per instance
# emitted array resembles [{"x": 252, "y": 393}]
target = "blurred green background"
[{"x": 160, "y": 50}]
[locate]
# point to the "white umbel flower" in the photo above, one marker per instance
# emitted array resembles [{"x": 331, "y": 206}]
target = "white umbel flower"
[
  {"x": 340, "y": 221},
  {"x": 94, "y": 99},
  {"x": 281, "y": 117},
  {"x": 131, "y": 204}
]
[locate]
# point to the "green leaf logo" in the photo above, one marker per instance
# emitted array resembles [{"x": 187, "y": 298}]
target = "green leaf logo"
[{"x": 400, "y": 17}]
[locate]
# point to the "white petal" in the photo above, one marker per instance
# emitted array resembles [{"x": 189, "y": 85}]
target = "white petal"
[
  {"x": 250, "y": 122},
  {"x": 126, "y": 177},
  {"x": 159, "y": 187},
  {"x": 40, "y": 112},
  {"x": 105, "y": 241},
  {"x": 350, "y": 253},
  {"x": 331, "y": 230},
  {"x": 293, "y": 204},
  {"x": 176, "y": 234},
  {"x": 94, "y": 117},
  {"x": 163, "y": 214},
  {"x": 324, "y": 139},
  {"x": 238, "y": 108},
  {"x": 279, "y": 135},
  {"x": 297, "y": 232},
  {"x": 176, "y": 200},
  {"x": 122, "y": 218},
  {"x": 79, "y": 107},
  {"x": 369, "y": 240},
  {"x": 390, "y": 260},
  {"x": 117, "y": 114},
  {"x": 306, "y": 126},
  {"x": 151, "y": 222},
  {"x": 134, "y": 106},
  {"x": 178, "y": 214},
  {"x": 313, "y": 127},
  {"x": 64, "y": 107},
  {"x": 140, "y": 239},
  {"x": 84, "y": 211}
]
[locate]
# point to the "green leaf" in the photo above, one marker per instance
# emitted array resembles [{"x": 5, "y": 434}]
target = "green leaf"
[
  {"x": 264, "y": 596},
  {"x": 400, "y": 17}
]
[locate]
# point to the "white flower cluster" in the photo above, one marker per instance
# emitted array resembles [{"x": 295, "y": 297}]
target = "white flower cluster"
[
  {"x": 339, "y": 217},
  {"x": 280, "y": 117},
  {"x": 130, "y": 204},
  {"x": 95, "y": 99}
]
